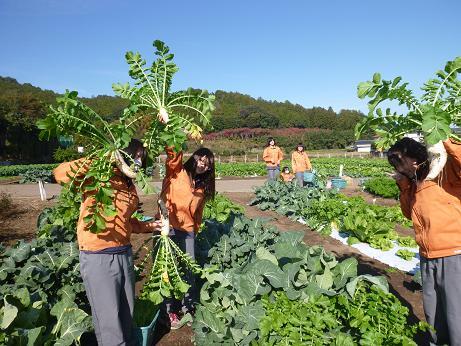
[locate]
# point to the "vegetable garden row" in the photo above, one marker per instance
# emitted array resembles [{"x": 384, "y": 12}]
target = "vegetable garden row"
[{"x": 323, "y": 166}]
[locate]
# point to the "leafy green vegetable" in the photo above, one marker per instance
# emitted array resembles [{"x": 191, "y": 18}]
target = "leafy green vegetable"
[
  {"x": 150, "y": 98},
  {"x": 382, "y": 186},
  {"x": 438, "y": 108},
  {"x": 407, "y": 255},
  {"x": 221, "y": 208},
  {"x": 280, "y": 291},
  {"x": 407, "y": 242}
]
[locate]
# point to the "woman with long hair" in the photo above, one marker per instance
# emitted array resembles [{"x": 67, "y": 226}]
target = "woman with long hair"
[
  {"x": 300, "y": 163},
  {"x": 434, "y": 207},
  {"x": 106, "y": 260},
  {"x": 185, "y": 190},
  {"x": 272, "y": 156}
]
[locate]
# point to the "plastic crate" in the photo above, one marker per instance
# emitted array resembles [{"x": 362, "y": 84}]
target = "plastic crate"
[
  {"x": 338, "y": 183},
  {"x": 145, "y": 335}
]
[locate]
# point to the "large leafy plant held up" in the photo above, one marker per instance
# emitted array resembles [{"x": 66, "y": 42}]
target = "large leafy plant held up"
[
  {"x": 431, "y": 115},
  {"x": 171, "y": 117}
]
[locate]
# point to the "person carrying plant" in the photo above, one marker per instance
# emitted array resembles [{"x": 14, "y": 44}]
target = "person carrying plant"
[
  {"x": 272, "y": 155},
  {"x": 300, "y": 163},
  {"x": 106, "y": 263},
  {"x": 185, "y": 190},
  {"x": 286, "y": 175},
  {"x": 434, "y": 207}
]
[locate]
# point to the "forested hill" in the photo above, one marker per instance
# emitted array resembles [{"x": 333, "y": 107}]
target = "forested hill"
[
  {"x": 21, "y": 105},
  {"x": 235, "y": 110}
]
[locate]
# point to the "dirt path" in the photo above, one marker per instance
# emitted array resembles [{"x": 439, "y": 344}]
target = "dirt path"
[{"x": 400, "y": 284}]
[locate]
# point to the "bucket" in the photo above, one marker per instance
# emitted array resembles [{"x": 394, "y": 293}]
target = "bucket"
[
  {"x": 338, "y": 183},
  {"x": 145, "y": 335},
  {"x": 309, "y": 177}
]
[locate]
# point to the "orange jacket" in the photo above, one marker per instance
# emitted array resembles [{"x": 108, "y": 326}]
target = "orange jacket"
[
  {"x": 272, "y": 156},
  {"x": 120, "y": 227},
  {"x": 184, "y": 202},
  {"x": 286, "y": 177},
  {"x": 300, "y": 162},
  {"x": 436, "y": 209}
]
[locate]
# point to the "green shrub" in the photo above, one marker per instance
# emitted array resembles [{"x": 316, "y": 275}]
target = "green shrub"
[
  {"x": 383, "y": 187},
  {"x": 66, "y": 154}
]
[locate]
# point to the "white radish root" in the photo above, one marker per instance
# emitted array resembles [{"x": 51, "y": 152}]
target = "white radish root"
[
  {"x": 164, "y": 218},
  {"x": 163, "y": 115},
  {"x": 122, "y": 166},
  {"x": 437, "y": 158}
]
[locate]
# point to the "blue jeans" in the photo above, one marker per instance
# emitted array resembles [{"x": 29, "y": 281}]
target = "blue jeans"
[
  {"x": 300, "y": 178},
  {"x": 273, "y": 173}
]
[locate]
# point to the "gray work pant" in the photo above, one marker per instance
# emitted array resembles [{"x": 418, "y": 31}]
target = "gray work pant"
[
  {"x": 441, "y": 279},
  {"x": 186, "y": 242},
  {"x": 273, "y": 173},
  {"x": 300, "y": 178},
  {"x": 109, "y": 284}
]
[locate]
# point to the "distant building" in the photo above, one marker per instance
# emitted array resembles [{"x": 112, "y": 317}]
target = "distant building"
[{"x": 363, "y": 145}]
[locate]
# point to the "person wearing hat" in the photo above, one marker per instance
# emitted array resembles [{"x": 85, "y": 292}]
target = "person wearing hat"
[{"x": 300, "y": 163}]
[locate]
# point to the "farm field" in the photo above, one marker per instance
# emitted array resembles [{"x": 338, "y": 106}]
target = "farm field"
[{"x": 20, "y": 223}]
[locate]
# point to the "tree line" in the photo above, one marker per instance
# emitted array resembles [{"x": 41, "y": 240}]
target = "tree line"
[{"x": 21, "y": 105}]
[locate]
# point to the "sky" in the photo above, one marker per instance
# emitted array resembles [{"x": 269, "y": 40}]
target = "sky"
[{"x": 312, "y": 53}]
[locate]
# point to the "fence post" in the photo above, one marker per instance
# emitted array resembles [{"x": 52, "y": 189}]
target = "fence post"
[
  {"x": 318, "y": 155},
  {"x": 232, "y": 158},
  {"x": 245, "y": 158},
  {"x": 219, "y": 159},
  {"x": 329, "y": 156},
  {"x": 257, "y": 157}
]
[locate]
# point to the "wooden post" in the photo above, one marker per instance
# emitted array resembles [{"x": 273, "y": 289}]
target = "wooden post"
[
  {"x": 245, "y": 158},
  {"x": 257, "y": 157},
  {"x": 219, "y": 159},
  {"x": 232, "y": 158}
]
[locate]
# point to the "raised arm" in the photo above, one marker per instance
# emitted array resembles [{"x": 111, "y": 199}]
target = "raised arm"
[{"x": 173, "y": 162}]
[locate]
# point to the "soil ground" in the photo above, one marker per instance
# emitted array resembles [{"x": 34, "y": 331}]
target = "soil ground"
[{"x": 18, "y": 221}]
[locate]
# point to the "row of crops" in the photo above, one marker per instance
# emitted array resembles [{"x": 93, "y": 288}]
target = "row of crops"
[
  {"x": 266, "y": 287},
  {"x": 324, "y": 166},
  {"x": 327, "y": 210}
]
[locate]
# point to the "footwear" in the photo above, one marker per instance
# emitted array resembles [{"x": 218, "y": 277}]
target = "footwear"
[{"x": 174, "y": 320}]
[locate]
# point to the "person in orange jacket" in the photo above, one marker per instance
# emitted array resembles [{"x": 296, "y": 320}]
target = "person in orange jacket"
[
  {"x": 185, "y": 190},
  {"x": 434, "y": 206},
  {"x": 286, "y": 175},
  {"x": 106, "y": 263},
  {"x": 272, "y": 155},
  {"x": 300, "y": 163}
]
